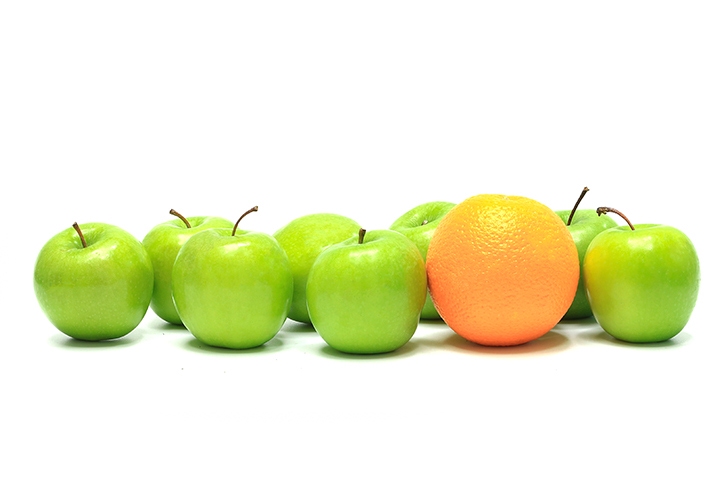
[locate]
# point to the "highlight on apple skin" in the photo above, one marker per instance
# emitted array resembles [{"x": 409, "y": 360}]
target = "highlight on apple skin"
[
  {"x": 365, "y": 295},
  {"x": 94, "y": 281},
  {"x": 642, "y": 281},
  {"x": 231, "y": 287}
]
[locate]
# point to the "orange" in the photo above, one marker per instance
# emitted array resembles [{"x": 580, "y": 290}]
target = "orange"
[{"x": 502, "y": 270}]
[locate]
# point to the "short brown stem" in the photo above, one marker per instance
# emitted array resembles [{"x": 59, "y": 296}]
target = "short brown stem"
[
  {"x": 79, "y": 232},
  {"x": 572, "y": 213},
  {"x": 187, "y": 224},
  {"x": 253, "y": 209},
  {"x": 361, "y": 235},
  {"x": 605, "y": 210},
  {"x": 424, "y": 222}
]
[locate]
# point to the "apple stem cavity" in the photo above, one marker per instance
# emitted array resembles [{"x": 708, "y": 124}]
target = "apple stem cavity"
[
  {"x": 572, "y": 213},
  {"x": 605, "y": 210},
  {"x": 424, "y": 222},
  {"x": 361, "y": 236},
  {"x": 173, "y": 212},
  {"x": 253, "y": 209},
  {"x": 80, "y": 234}
]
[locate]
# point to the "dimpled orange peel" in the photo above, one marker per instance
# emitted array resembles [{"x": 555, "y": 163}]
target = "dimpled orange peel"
[{"x": 502, "y": 270}]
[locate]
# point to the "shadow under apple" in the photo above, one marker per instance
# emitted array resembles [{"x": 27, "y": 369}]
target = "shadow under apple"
[
  {"x": 602, "y": 336},
  {"x": 571, "y": 322},
  {"x": 406, "y": 350},
  {"x": 294, "y": 326},
  {"x": 195, "y": 345},
  {"x": 158, "y": 323},
  {"x": 577, "y": 325},
  {"x": 433, "y": 323},
  {"x": 64, "y": 341}
]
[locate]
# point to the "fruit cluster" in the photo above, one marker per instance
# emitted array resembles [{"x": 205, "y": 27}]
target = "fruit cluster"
[{"x": 499, "y": 270}]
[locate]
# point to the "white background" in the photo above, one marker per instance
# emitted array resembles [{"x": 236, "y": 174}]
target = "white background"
[{"x": 119, "y": 111}]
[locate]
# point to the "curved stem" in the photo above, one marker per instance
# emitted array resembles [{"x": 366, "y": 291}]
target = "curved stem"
[
  {"x": 79, "y": 232},
  {"x": 253, "y": 209},
  {"x": 572, "y": 213},
  {"x": 187, "y": 224},
  {"x": 361, "y": 235},
  {"x": 605, "y": 210}
]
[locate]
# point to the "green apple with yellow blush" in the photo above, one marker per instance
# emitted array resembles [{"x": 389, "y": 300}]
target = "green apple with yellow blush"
[{"x": 642, "y": 281}]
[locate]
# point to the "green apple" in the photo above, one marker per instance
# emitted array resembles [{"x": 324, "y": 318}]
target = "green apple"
[
  {"x": 303, "y": 239},
  {"x": 94, "y": 281},
  {"x": 365, "y": 294},
  {"x": 583, "y": 225},
  {"x": 232, "y": 288},
  {"x": 419, "y": 224},
  {"x": 642, "y": 281},
  {"x": 163, "y": 243}
]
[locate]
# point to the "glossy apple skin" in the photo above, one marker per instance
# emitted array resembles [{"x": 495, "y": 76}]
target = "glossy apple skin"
[
  {"x": 98, "y": 292},
  {"x": 232, "y": 291},
  {"x": 642, "y": 284},
  {"x": 303, "y": 239},
  {"x": 163, "y": 243},
  {"x": 367, "y": 298},
  {"x": 586, "y": 224},
  {"x": 411, "y": 225}
]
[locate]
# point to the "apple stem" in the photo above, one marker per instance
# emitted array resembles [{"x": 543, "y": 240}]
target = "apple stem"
[
  {"x": 572, "y": 213},
  {"x": 82, "y": 237},
  {"x": 424, "y": 222},
  {"x": 605, "y": 210},
  {"x": 361, "y": 235},
  {"x": 253, "y": 209},
  {"x": 187, "y": 224}
]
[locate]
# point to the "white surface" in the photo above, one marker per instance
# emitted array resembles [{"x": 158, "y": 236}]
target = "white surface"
[{"x": 118, "y": 114}]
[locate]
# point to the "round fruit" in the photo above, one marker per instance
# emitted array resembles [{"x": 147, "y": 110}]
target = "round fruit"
[
  {"x": 303, "y": 239},
  {"x": 94, "y": 281},
  {"x": 163, "y": 243},
  {"x": 502, "y": 270}
]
